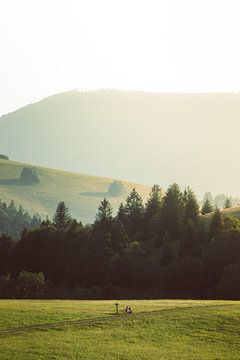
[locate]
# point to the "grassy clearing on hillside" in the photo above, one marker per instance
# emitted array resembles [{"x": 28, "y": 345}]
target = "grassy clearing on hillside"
[
  {"x": 178, "y": 330},
  {"x": 234, "y": 210},
  {"x": 57, "y": 185}
]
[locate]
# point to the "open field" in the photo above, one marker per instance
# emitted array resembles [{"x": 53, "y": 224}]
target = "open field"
[
  {"x": 158, "y": 329},
  {"x": 81, "y": 192}
]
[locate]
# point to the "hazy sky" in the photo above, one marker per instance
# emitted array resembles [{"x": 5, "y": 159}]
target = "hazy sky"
[{"x": 50, "y": 46}]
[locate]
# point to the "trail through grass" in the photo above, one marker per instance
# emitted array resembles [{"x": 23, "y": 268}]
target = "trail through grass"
[{"x": 187, "y": 330}]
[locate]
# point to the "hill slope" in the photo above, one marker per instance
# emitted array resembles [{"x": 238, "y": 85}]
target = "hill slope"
[
  {"x": 82, "y": 193},
  {"x": 150, "y": 138}
]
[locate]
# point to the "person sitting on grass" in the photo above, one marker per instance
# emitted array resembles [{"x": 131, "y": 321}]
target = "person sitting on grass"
[{"x": 128, "y": 310}]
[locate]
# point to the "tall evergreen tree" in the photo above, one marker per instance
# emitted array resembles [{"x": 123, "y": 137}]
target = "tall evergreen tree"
[
  {"x": 172, "y": 212},
  {"x": 61, "y": 217},
  {"x": 153, "y": 209},
  {"x": 191, "y": 207},
  {"x": 208, "y": 196},
  {"x": 207, "y": 207},
  {"x": 154, "y": 202},
  {"x": 121, "y": 214},
  {"x": 104, "y": 216},
  {"x": 227, "y": 203},
  {"x": 134, "y": 212}
]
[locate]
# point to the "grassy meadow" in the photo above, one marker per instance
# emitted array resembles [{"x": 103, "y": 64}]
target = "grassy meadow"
[
  {"x": 81, "y": 192},
  {"x": 157, "y": 329}
]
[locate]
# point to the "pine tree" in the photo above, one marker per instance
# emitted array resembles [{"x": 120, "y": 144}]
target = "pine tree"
[
  {"x": 208, "y": 196},
  {"x": 172, "y": 212},
  {"x": 61, "y": 217},
  {"x": 134, "y": 210},
  {"x": 154, "y": 202},
  {"x": 191, "y": 207},
  {"x": 227, "y": 203},
  {"x": 153, "y": 209},
  {"x": 104, "y": 215},
  {"x": 207, "y": 207},
  {"x": 121, "y": 214}
]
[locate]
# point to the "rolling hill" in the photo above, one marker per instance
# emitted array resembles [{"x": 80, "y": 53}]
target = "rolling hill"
[
  {"x": 82, "y": 193},
  {"x": 191, "y": 139}
]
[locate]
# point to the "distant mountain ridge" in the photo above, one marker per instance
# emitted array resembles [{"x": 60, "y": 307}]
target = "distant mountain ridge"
[{"x": 191, "y": 139}]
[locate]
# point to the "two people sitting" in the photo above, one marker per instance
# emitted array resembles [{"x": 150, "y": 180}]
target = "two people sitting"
[{"x": 128, "y": 310}]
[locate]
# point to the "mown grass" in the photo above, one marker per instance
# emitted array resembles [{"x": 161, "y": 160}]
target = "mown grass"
[
  {"x": 178, "y": 330},
  {"x": 56, "y": 185}
]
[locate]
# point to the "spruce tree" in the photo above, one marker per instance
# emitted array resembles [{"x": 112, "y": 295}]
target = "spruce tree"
[
  {"x": 153, "y": 209},
  {"x": 104, "y": 215},
  {"x": 172, "y": 212},
  {"x": 61, "y": 217},
  {"x": 208, "y": 196},
  {"x": 154, "y": 202},
  {"x": 227, "y": 203},
  {"x": 121, "y": 214},
  {"x": 134, "y": 212},
  {"x": 207, "y": 207},
  {"x": 191, "y": 207}
]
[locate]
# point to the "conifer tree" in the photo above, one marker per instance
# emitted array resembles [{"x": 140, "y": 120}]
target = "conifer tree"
[
  {"x": 207, "y": 207},
  {"x": 121, "y": 214},
  {"x": 153, "y": 209},
  {"x": 227, "y": 203},
  {"x": 172, "y": 212},
  {"x": 154, "y": 202},
  {"x": 191, "y": 207},
  {"x": 104, "y": 215},
  {"x": 134, "y": 212},
  {"x": 61, "y": 217}
]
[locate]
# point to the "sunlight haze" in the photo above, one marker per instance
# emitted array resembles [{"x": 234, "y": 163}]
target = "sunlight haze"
[{"x": 167, "y": 46}]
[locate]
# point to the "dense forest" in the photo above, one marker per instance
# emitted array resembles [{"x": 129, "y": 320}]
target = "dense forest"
[{"x": 164, "y": 248}]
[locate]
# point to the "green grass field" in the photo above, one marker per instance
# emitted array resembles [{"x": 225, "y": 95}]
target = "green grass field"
[
  {"x": 57, "y": 185},
  {"x": 158, "y": 329}
]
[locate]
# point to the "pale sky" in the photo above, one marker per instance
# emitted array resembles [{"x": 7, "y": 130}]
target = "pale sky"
[{"x": 50, "y": 46}]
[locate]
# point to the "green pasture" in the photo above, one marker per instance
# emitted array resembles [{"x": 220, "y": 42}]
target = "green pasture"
[{"x": 157, "y": 329}]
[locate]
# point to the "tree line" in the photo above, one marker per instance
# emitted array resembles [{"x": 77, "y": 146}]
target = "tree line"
[
  {"x": 220, "y": 201},
  {"x": 14, "y": 219},
  {"x": 162, "y": 249}
]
